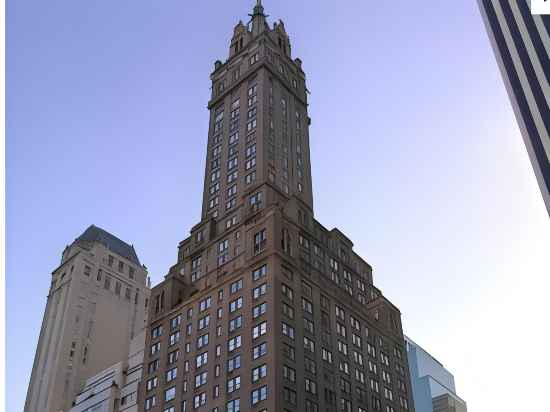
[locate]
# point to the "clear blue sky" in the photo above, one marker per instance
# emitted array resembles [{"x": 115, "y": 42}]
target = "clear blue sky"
[{"x": 107, "y": 124}]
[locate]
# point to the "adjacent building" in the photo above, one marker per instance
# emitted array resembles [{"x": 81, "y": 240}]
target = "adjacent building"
[
  {"x": 266, "y": 309},
  {"x": 96, "y": 305},
  {"x": 116, "y": 388},
  {"x": 433, "y": 386},
  {"x": 521, "y": 42}
]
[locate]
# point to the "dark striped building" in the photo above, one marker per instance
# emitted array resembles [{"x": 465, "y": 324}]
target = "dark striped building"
[{"x": 521, "y": 42}]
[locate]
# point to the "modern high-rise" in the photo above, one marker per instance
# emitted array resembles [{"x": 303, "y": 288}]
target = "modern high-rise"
[
  {"x": 96, "y": 305},
  {"x": 521, "y": 42},
  {"x": 433, "y": 386},
  {"x": 265, "y": 308}
]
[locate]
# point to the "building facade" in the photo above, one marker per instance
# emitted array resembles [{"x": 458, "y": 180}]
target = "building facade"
[
  {"x": 116, "y": 388},
  {"x": 96, "y": 305},
  {"x": 433, "y": 386},
  {"x": 265, "y": 308},
  {"x": 521, "y": 42}
]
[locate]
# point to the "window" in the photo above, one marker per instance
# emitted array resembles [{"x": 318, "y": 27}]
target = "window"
[
  {"x": 173, "y": 356},
  {"x": 153, "y": 366},
  {"x": 326, "y": 355},
  {"x": 205, "y": 304},
  {"x": 259, "y": 351},
  {"x": 249, "y": 178},
  {"x": 202, "y": 341},
  {"x": 343, "y": 348},
  {"x": 174, "y": 338},
  {"x": 233, "y": 384},
  {"x": 236, "y": 286},
  {"x": 287, "y": 330},
  {"x": 201, "y": 379},
  {"x": 170, "y": 394},
  {"x": 259, "y": 291},
  {"x": 251, "y": 162},
  {"x": 223, "y": 251},
  {"x": 199, "y": 400},
  {"x": 236, "y": 304},
  {"x": 309, "y": 345},
  {"x": 111, "y": 260},
  {"x": 259, "y": 273},
  {"x": 234, "y": 405},
  {"x": 310, "y": 366},
  {"x": 259, "y": 373},
  {"x": 311, "y": 386},
  {"x": 289, "y": 396},
  {"x": 156, "y": 332},
  {"x": 171, "y": 374},
  {"x": 152, "y": 383},
  {"x": 196, "y": 268},
  {"x": 155, "y": 348},
  {"x": 150, "y": 402},
  {"x": 234, "y": 343},
  {"x": 289, "y": 373},
  {"x": 235, "y": 323},
  {"x": 204, "y": 322},
  {"x": 340, "y": 313},
  {"x": 87, "y": 270},
  {"x": 255, "y": 201},
  {"x": 234, "y": 363},
  {"x": 309, "y": 326},
  {"x": 260, "y": 240},
  {"x": 313, "y": 407},
  {"x": 288, "y": 311},
  {"x": 287, "y": 291},
  {"x": 259, "y": 330},
  {"x": 307, "y": 306},
  {"x": 253, "y": 59},
  {"x": 201, "y": 360},
  {"x": 259, "y": 310},
  {"x": 259, "y": 395},
  {"x": 289, "y": 352}
]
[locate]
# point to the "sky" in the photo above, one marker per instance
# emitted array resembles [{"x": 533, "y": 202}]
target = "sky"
[{"x": 106, "y": 124}]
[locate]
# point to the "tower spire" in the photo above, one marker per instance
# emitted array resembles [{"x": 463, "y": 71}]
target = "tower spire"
[{"x": 258, "y": 18}]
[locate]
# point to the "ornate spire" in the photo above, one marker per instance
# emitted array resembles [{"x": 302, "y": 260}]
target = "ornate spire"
[{"x": 258, "y": 18}]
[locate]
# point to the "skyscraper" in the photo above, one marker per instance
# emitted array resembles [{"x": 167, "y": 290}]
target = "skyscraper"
[
  {"x": 96, "y": 305},
  {"x": 433, "y": 386},
  {"x": 265, "y": 308},
  {"x": 521, "y": 42}
]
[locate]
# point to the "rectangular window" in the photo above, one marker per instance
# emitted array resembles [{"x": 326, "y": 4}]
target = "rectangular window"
[
  {"x": 287, "y": 330},
  {"x": 289, "y": 373},
  {"x": 235, "y": 323},
  {"x": 259, "y": 395},
  {"x": 201, "y": 360},
  {"x": 259, "y": 310},
  {"x": 233, "y": 384},
  {"x": 259, "y": 273},
  {"x": 234, "y": 363},
  {"x": 234, "y": 405},
  {"x": 234, "y": 343},
  {"x": 235, "y": 304},
  {"x": 236, "y": 286},
  {"x": 259, "y": 351},
  {"x": 202, "y": 341},
  {"x": 259, "y": 330},
  {"x": 170, "y": 394},
  {"x": 205, "y": 304},
  {"x": 287, "y": 291},
  {"x": 199, "y": 400},
  {"x": 259, "y": 373},
  {"x": 259, "y": 291}
]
